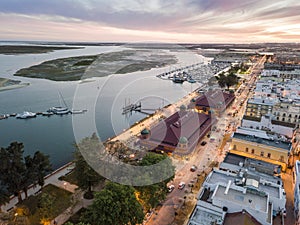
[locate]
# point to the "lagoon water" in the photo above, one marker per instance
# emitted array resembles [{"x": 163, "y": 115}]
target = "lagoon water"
[{"x": 103, "y": 97}]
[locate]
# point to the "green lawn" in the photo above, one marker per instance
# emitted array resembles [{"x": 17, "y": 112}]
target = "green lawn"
[
  {"x": 71, "y": 178},
  {"x": 61, "y": 202}
]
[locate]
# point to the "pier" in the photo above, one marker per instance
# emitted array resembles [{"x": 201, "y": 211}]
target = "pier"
[{"x": 137, "y": 107}]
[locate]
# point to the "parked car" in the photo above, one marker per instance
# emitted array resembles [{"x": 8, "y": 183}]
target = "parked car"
[
  {"x": 181, "y": 185},
  {"x": 171, "y": 188},
  {"x": 203, "y": 143},
  {"x": 193, "y": 168}
]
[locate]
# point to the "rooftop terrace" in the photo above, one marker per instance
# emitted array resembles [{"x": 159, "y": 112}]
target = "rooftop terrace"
[{"x": 263, "y": 141}]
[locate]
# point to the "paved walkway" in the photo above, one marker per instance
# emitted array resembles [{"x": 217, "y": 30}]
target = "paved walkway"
[
  {"x": 50, "y": 179},
  {"x": 79, "y": 202}
]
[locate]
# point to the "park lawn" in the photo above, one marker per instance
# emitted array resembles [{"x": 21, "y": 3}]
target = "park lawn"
[
  {"x": 70, "y": 177},
  {"x": 60, "y": 204}
]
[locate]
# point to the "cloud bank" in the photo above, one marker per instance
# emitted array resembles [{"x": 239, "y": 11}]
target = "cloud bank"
[{"x": 153, "y": 20}]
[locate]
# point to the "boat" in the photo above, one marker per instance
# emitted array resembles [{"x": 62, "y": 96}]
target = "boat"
[
  {"x": 47, "y": 113},
  {"x": 178, "y": 80},
  {"x": 13, "y": 114},
  {"x": 25, "y": 115},
  {"x": 59, "y": 110},
  {"x": 74, "y": 111},
  {"x": 192, "y": 81},
  {"x": 5, "y": 116}
]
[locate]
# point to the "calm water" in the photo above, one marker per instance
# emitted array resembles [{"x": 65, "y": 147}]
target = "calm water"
[{"x": 104, "y": 96}]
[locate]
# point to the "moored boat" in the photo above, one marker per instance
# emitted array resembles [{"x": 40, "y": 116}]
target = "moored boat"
[
  {"x": 5, "y": 116},
  {"x": 59, "y": 110},
  {"x": 74, "y": 111},
  {"x": 25, "y": 115},
  {"x": 47, "y": 113},
  {"x": 178, "y": 80}
]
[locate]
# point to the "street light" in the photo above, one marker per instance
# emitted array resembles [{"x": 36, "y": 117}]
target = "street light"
[{"x": 65, "y": 185}]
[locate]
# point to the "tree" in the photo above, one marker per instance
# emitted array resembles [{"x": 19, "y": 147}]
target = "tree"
[
  {"x": 13, "y": 168},
  {"x": 41, "y": 166},
  {"x": 18, "y": 172},
  {"x": 115, "y": 204},
  {"x": 85, "y": 175},
  {"x": 152, "y": 195},
  {"x": 37, "y": 167},
  {"x": 4, "y": 194},
  {"x": 227, "y": 81}
]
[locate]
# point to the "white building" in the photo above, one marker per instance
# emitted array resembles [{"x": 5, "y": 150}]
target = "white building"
[
  {"x": 297, "y": 191},
  {"x": 270, "y": 123}
]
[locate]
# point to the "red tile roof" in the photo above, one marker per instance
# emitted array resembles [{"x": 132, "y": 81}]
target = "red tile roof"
[
  {"x": 190, "y": 125},
  {"x": 216, "y": 99}
]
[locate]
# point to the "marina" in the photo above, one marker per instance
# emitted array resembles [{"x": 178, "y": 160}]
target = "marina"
[{"x": 195, "y": 72}]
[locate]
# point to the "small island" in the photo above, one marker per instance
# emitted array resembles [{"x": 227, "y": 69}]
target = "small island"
[
  {"x": 82, "y": 67},
  {"x": 8, "y": 84}
]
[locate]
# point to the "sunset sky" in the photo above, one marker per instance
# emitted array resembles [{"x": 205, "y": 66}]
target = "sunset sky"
[{"x": 197, "y": 21}]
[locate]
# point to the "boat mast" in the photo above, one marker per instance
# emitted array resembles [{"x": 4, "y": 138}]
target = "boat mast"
[{"x": 62, "y": 98}]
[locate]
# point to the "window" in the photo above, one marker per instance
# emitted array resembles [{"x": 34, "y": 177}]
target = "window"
[
  {"x": 283, "y": 119},
  {"x": 252, "y": 151},
  {"x": 281, "y": 158},
  {"x": 269, "y": 155},
  {"x": 262, "y": 154},
  {"x": 234, "y": 147},
  {"x": 247, "y": 149}
]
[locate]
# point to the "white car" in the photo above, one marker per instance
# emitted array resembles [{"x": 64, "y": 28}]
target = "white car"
[
  {"x": 171, "y": 188},
  {"x": 181, "y": 185}
]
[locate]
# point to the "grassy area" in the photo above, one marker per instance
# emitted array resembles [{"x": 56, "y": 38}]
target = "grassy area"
[
  {"x": 70, "y": 177},
  {"x": 61, "y": 202}
]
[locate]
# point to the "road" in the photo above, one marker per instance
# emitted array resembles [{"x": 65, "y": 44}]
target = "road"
[{"x": 204, "y": 155}]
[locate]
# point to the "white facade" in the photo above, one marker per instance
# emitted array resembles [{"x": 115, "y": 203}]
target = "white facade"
[
  {"x": 270, "y": 73},
  {"x": 265, "y": 123}
]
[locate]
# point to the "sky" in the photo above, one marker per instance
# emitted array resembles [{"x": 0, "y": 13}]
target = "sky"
[{"x": 175, "y": 21}]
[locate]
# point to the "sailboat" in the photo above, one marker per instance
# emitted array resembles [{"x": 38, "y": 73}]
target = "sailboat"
[{"x": 59, "y": 110}]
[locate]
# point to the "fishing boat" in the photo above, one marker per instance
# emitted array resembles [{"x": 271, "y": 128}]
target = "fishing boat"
[{"x": 25, "y": 115}]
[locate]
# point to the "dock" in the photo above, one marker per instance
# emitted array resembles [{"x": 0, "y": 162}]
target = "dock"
[{"x": 48, "y": 113}]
